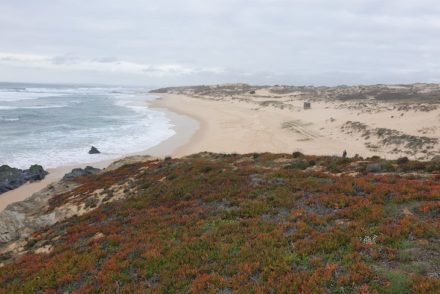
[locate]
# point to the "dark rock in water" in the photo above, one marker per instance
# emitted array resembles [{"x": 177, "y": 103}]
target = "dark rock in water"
[
  {"x": 94, "y": 150},
  {"x": 81, "y": 172},
  {"x": 11, "y": 178}
]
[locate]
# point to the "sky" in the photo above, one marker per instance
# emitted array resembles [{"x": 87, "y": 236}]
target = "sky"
[{"x": 180, "y": 42}]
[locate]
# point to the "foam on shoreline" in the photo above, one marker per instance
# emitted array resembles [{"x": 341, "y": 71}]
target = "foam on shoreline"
[{"x": 184, "y": 128}]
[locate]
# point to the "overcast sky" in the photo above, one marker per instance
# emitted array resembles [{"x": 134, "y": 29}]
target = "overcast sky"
[{"x": 172, "y": 42}]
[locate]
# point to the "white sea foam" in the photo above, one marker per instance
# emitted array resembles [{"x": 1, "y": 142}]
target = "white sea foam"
[
  {"x": 32, "y": 107},
  {"x": 9, "y": 118},
  {"x": 126, "y": 139},
  {"x": 9, "y": 96},
  {"x": 59, "y": 144}
]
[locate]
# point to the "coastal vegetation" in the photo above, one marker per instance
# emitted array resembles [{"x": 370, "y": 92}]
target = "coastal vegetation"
[
  {"x": 252, "y": 223},
  {"x": 408, "y": 93}
]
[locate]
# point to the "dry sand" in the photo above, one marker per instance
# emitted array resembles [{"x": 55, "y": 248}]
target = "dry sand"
[{"x": 244, "y": 125}]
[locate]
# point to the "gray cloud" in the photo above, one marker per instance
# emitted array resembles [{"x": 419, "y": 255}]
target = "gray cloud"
[{"x": 198, "y": 41}]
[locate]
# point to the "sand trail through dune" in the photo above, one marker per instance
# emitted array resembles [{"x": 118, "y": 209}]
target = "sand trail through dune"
[{"x": 301, "y": 128}]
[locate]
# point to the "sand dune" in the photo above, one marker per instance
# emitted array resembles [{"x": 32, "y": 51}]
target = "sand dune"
[{"x": 263, "y": 122}]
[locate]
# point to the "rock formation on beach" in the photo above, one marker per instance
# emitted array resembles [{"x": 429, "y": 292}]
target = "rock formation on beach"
[
  {"x": 21, "y": 219},
  {"x": 12, "y": 178},
  {"x": 81, "y": 172}
]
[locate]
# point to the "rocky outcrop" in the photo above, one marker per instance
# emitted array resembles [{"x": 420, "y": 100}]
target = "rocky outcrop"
[
  {"x": 11, "y": 178},
  {"x": 81, "y": 172},
  {"x": 94, "y": 150},
  {"x": 21, "y": 219},
  {"x": 58, "y": 202}
]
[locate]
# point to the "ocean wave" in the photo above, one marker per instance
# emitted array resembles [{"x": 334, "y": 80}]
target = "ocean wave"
[
  {"x": 9, "y": 118},
  {"x": 19, "y": 96},
  {"x": 134, "y": 101},
  {"x": 62, "y": 145},
  {"x": 66, "y": 142},
  {"x": 112, "y": 145},
  {"x": 32, "y": 107},
  {"x": 7, "y": 107}
]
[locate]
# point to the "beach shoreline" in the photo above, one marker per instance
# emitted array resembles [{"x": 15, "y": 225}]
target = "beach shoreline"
[{"x": 184, "y": 126}]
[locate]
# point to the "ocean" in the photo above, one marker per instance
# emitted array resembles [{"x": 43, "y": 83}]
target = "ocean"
[{"x": 55, "y": 125}]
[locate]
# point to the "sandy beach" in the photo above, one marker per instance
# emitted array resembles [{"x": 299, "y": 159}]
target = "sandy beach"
[{"x": 244, "y": 125}]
